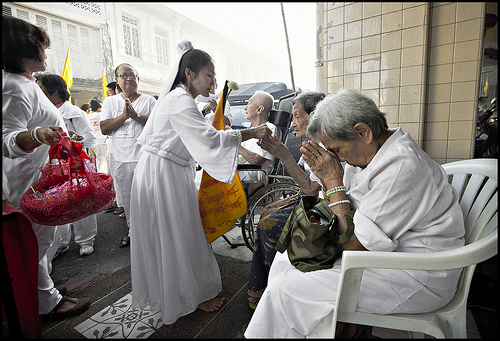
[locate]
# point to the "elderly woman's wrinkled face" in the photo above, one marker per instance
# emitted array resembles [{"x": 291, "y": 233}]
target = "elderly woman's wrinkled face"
[
  {"x": 300, "y": 120},
  {"x": 356, "y": 152}
]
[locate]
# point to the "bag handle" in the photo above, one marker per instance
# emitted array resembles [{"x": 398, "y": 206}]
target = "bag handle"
[{"x": 71, "y": 151}]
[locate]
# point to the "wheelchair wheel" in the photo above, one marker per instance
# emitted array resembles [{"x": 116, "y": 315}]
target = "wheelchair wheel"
[{"x": 257, "y": 202}]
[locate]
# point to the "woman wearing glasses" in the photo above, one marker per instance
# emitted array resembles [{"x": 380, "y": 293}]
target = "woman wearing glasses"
[{"x": 123, "y": 117}]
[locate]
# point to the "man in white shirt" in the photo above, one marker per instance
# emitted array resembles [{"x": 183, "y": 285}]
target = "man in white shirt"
[
  {"x": 123, "y": 117},
  {"x": 257, "y": 109}
]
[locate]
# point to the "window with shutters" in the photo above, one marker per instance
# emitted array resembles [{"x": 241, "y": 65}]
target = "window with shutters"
[
  {"x": 57, "y": 35},
  {"x": 73, "y": 39},
  {"x": 85, "y": 39},
  {"x": 6, "y": 10},
  {"x": 131, "y": 36},
  {"x": 23, "y": 15},
  {"x": 161, "y": 46}
]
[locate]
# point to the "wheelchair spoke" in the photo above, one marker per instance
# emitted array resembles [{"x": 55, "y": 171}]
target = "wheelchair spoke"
[{"x": 256, "y": 204}]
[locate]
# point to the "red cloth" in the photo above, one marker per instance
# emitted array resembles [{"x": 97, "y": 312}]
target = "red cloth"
[{"x": 21, "y": 252}]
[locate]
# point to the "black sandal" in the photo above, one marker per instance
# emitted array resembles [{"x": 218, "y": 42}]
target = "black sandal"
[
  {"x": 125, "y": 242},
  {"x": 81, "y": 305}
]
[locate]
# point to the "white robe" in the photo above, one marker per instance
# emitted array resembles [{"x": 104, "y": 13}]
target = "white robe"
[
  {"x": 173, "y": 266},
  {"x": 403, "y": 203}
]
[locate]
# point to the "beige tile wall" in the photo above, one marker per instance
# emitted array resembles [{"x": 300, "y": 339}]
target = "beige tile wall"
[
  {"x": 455, "y": 47},
  {"x": 420, "y": 62}
]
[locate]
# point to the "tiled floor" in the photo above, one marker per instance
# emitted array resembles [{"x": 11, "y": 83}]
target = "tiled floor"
[{"x": 120, "y": 321}]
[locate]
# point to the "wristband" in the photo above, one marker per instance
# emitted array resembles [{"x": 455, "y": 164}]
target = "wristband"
[
  {"x": 34, "y": 135},
  {"x": 339, "y": 202},
  {"x": 334, "y": 190}
]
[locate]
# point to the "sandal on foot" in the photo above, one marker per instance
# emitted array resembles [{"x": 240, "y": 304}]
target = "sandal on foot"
[
  {"x": 252, "y": 302},
  {"x": 125, "y": 242},
  {"x": 81, "y": 305}
]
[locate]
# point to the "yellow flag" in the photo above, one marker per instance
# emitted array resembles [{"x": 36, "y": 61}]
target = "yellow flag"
[
  {"x": 66, "y": 73},
  {"x": 220, "y": 203},
  {"x": 104, "y": 86},
  {"x": 485, "y": 89}
]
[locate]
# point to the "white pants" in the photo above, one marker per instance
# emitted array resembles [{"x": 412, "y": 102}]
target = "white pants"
[
  {"x": 112, "y": 172},
  {"x": 48, "y": 296},
  {"x": 101, "y": 157},
  {"x": 85, "y": 231},
  {"x": 123, "y": 176}
]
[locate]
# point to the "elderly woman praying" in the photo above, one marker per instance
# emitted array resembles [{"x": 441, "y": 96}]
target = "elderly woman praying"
[{"x": 402, "y": 202}]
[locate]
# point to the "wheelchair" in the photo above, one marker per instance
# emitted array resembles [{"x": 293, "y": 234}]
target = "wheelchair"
[{"x": 276, "y": 185}]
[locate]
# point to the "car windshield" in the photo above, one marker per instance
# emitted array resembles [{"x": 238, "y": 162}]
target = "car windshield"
[{"x": 239, "y": 116}]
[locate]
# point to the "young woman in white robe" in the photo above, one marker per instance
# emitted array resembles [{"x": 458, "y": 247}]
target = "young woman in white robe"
[
  {"x": 403, "y": 203},
  {"x": 173, "y": 267}
]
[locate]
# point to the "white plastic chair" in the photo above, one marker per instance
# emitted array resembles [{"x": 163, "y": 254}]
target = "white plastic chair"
[{"x": 476, "y": 182}]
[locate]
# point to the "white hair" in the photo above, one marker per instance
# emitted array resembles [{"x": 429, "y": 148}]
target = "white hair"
[{"x": 265, "y": 99}]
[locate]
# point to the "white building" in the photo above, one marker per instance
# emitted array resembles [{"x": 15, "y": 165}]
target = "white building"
[{"x": 101, "y": 35}]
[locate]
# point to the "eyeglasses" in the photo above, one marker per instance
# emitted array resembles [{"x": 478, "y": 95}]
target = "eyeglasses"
[{"x": 128, "y": 76}]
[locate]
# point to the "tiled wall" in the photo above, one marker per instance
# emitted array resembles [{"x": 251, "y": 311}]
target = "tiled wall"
[{"x": 419, "y": 61}]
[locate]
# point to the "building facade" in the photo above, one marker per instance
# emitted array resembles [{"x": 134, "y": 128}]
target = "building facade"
[
  {"x": 102, "y": 35},
  {"x": 421, "y": 62}
]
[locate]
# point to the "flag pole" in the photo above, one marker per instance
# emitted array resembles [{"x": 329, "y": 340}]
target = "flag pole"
[{"x": 288, "y": 47}]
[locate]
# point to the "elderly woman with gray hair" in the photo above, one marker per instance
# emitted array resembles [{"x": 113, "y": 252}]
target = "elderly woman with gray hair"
[{"x": 403, "y": 203}]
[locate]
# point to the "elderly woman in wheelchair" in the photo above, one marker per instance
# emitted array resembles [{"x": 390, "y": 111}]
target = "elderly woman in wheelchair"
[
  {"x": 274, "y": 216},
  {"x": 403, "y": 203}
]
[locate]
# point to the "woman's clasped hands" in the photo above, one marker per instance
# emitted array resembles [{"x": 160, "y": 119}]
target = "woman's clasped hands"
[{"x": 324, "y": 163}]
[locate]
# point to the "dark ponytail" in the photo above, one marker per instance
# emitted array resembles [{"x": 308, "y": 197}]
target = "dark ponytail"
[{"x": 194, "y": 60}]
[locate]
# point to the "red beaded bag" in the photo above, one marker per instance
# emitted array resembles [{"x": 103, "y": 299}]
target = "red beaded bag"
[{"x": 69, "y": 189}]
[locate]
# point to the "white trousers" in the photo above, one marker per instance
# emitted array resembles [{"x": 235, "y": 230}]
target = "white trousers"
[
  {"x": 48, "y": 296},
  {"x": 112, "y": 172},
  {"x": 101, "y": 157},
  {"x": 124, "y": 173}
]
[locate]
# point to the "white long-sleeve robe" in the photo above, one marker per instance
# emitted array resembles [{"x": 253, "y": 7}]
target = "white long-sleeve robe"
[
  {"x": 173, "y": 266},
  {"x": 403, "y": 203}
]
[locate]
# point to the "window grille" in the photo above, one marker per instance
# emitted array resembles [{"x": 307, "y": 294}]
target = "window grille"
[
  {"x": 161, "y": 46},
  {"x": 131, "y": 36},
  {"x": 87, "y": 6}
]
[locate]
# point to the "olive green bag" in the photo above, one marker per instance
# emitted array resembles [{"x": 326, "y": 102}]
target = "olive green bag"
[{"x": 310, "y": 235}]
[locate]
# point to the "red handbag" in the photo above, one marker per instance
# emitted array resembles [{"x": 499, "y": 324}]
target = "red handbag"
[{"x": 69, "y": 188}]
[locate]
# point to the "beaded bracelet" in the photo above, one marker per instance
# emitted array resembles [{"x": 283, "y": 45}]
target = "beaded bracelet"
[
  {"x": 339, "y": 202},
  {"x": 334, "y": 190},
  {"x": 34, "y": 137}
]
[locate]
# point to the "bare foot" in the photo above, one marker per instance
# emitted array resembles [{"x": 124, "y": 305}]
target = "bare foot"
[{"x": 211, "y": 304}]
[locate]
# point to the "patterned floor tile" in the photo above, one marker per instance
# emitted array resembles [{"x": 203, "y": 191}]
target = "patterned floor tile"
[{"x": 120, "y": 321}]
